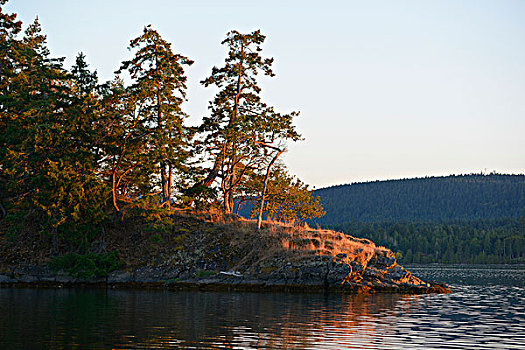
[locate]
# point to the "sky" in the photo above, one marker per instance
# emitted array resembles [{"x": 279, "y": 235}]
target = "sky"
[{"x": 386, "y": 89}]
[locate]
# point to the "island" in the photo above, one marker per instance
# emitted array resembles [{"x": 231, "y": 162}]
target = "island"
[
  {"x": 105, "y": 182},
  {"x": 214, "y": 252}
]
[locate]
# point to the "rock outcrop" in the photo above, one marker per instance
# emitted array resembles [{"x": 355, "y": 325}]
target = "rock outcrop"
[{"x": 235, "y": 256}]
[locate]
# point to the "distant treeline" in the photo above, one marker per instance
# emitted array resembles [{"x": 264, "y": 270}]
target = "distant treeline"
[
  {"x": 472, "y": 218},
  {"x": 433, "y": 199},
  {"x": 479, "y": 242}
]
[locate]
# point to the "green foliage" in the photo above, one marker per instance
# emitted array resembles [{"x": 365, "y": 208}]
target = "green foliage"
[
  {"x": 454, "y": 219},
  {"x": 155, "y": 97},
  {"x": 456, "y": 197},
  {"x": 179, "y": 238},
  {"x": 159, "y": 220},
  {"x": 15, "y": 221},
  {"x": 157, "y": 239},
  {"x": 78, "y": 234},
  {"x": 70, "y": 147},
  {"x": 202, "y": 197},
  {"x": 86, "y": 266},
  {"x": 288, "y": 198},
  {"x": 242, "y": 130},
  {"x": 480, "y": 241},
  {"x": 47, "y": 163},
  {"x": 204, "y": 273}
]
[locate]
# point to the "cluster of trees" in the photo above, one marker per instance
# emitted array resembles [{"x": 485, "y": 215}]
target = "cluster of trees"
[
  {"x": 296, "y": 203},
  {"x": 72, "y": 148},
  {"x": 455, "y": 197},
  {"x": 480, "y": 241}
]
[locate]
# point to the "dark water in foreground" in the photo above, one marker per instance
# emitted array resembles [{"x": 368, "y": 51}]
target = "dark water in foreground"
[{"x": 487, "y": 311}]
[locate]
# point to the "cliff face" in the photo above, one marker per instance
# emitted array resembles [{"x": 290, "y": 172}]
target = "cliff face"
[{"x": 233, "y": 255}]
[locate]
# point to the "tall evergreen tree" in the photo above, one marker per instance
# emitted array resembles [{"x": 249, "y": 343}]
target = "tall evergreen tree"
[
  {"x": 86, "y": 81},
  {"x": 242, "y": 132},
  {"x": 159, "y": 89},
  {"x": 35, "y": 108},
  {"x": 9, "y": 28},
  {"x": 49, "y": 163},
  {"x": 126, "y": 148}
]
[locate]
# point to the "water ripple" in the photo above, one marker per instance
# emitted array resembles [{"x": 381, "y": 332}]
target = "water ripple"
[{"x": 486, "y": 311}]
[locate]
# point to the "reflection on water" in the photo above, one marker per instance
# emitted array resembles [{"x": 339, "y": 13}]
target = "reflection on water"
[
  {"x": 472, "y": 275},
  {"x": 485, "y": 318}
]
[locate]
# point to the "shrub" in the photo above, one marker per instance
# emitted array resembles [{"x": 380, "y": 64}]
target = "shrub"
[
  {"x": 87, "y": 265},
  {"x": 205, "y": 273}
]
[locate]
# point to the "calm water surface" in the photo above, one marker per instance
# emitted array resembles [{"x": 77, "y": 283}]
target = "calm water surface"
[{"x": 487, "y": 311}]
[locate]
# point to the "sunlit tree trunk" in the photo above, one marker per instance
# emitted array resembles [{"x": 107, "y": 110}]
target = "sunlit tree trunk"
[{"x": 265, "y": 184}]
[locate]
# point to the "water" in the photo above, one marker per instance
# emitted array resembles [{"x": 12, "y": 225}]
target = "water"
[{"x": 487, "y": 311}]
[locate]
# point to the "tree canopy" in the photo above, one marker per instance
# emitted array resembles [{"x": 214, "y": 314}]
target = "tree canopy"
[
  {"x": 242, "y": 131},
  {"x": 74, "y": 151}
]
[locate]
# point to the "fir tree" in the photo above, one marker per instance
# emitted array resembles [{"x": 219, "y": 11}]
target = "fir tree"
[
  {"x": 242, "y": 132},
  {"x": 159, "y": 89},
  {"x": 9, "y": 28},
  {"x": 49, "y": 163}
]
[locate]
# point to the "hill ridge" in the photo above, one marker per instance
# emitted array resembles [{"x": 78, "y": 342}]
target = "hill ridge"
[
  {"x": 433, "y": 198},
  {"x": 423, "y": 178}
]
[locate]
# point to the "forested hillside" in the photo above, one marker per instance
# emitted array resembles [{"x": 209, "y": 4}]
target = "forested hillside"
[
  {"x": 455, "y": 197},
  {"x": 478, "y": 242},
  {"x": 454, "y": 219}
]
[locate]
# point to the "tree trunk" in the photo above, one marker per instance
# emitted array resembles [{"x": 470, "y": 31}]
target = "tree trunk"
[
  {"x": 239, "y": 80},
  {"x": 170, "y": 172},
  {"x": 227, "y": 200},
  {"x": 114, "y": 189},
  {"x": 214, "y": 172},
  {"x": 239, "y": 204},
  {"x": 265, "y": 184},
  {"x": 163, "y": 176},
  {"x": 164, "y": 182}
]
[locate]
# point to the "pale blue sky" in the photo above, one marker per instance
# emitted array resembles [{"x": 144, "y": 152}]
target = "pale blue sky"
[{"x": 386, "y": 89}]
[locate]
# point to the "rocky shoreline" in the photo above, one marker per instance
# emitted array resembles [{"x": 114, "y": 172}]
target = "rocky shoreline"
[
  {"x": 329, "y": 278},
  {"x": 234, "y": 256},
  {"x": 43, "y": 277}
]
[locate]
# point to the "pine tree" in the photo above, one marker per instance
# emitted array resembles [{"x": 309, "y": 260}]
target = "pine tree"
[
  {"x": 126, "y": 164},
  {"x": 49, "y": 161},
  {"x": 9, "y": 28},
  {"x": 35, "y": 108},
  {"x": 159, "y": 89},
  {"x": 86, "y": 81},
  {"x": 242, "y": 133}
]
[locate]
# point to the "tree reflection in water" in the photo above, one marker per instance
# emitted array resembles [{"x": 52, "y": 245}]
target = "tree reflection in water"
[
  {"x": 485, "y": 311},
  {"x": 128, "y": 319}
]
